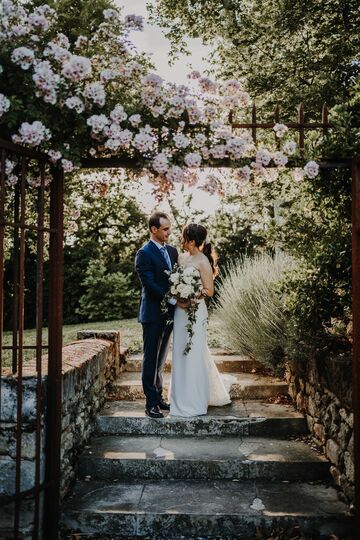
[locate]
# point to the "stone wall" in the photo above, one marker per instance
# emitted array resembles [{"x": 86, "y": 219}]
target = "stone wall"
[
  {"x": 89, "y": 366},
  {"x": 321, "y": 389}
]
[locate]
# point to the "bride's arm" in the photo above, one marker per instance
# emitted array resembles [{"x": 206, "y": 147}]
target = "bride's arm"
[{"x": 207, "y": 278}]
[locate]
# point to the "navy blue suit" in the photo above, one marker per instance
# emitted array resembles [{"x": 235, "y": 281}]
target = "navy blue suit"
[{"x": 151, "y": 265}]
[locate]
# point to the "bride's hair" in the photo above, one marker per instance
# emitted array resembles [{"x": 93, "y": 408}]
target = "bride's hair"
[{"x": 198, "y": 233}]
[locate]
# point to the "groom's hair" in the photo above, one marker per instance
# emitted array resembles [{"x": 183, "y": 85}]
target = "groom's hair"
[{"x": 154, "y": 220}]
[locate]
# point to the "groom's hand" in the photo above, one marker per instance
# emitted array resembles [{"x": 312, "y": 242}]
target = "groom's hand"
[{"x": 183, "y": 303}]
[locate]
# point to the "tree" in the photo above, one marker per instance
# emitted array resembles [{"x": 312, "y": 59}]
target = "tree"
[
  {"x": 286, "y": 51},
  {"x": 100, "y": 254}
]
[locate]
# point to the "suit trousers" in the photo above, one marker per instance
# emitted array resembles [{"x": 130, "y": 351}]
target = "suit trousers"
[{"x": 156, "y": 336}]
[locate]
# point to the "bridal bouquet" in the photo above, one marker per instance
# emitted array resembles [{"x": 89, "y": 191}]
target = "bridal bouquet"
[{"x": 186, "y": 285}]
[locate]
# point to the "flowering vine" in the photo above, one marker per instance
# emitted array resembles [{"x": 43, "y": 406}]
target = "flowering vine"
[{"x": 98, "y": 97}]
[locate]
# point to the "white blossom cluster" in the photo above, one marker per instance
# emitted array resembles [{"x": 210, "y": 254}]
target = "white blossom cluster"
[
  {"x": 4, "y": 104},
  {"x": 173, "y": 129},
  {"x": 32, "y": 134}
]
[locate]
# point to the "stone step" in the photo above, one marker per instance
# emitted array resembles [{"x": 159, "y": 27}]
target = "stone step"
[
  {"x": 147, "y": 457},
  {"x": 170, "y": 509},
  {"x": 254, "y": 418},
  {"x": 226, "y": 363},
  {"x": 247, "y": 386}
]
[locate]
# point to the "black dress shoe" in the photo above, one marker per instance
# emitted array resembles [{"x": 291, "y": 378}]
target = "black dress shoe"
[
  {"x": 163, "y": 405},
  {"x": 154, "y": 412}
]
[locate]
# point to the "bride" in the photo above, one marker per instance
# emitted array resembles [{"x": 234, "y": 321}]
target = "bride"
[{"x": 195, "y": 381}]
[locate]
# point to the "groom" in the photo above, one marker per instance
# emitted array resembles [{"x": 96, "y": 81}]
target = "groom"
[{"x": 151, "y": 263}]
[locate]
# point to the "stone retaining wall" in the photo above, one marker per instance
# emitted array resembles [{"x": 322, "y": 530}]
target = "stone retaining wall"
[
  {"x": 321, "y": 389},
  {"x": 89, "y": 366}
]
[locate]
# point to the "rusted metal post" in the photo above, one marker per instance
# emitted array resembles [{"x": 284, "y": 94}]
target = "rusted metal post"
[
  {"x": 356, "y": 323},
  {"x": 54, "y": 382}
]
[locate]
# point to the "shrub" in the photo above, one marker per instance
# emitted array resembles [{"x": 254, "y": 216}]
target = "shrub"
[
  {"x": 108, "y": 295},
  {"x": 250, "y": 307}
]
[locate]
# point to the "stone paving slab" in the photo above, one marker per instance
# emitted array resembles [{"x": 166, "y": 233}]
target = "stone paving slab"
[
  {"x": 201, "y": 458},
  {"x": 199, "y": 509},
  {"x": 239, "y": 418},
  {"x": 226, "y": 363},
  {"x": 247, "y": 386}
]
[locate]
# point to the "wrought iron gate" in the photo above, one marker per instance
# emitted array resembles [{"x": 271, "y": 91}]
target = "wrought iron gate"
[{"x": 31, "y": 226}]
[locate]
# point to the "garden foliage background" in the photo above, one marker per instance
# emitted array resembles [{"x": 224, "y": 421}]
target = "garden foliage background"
[{"x": 284, "y": 52}]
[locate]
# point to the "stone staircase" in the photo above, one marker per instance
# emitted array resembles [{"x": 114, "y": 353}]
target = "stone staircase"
[{"x": 240, "y": 470}]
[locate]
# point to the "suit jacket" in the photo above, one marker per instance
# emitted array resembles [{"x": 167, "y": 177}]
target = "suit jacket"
[{"x": 150, "y": 264}]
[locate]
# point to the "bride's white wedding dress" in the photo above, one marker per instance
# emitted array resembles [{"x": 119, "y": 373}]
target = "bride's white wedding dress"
[{"x": 195, "y": 381}]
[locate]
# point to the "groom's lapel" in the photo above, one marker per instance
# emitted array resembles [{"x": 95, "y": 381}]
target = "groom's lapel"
[
  {"x": 155, "y": 250},
  {"x": 170, "y": 252}
]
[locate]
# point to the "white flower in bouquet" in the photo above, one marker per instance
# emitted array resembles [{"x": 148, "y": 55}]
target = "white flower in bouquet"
[{"x": 185, "y": 285}]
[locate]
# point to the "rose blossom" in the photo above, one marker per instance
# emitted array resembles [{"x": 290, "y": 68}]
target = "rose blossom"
[
  {"x": 110, "y": 14},
  {"x": 236, "y": 147},
  {"x": 32, "y": 134},
  {"x": 181, "y": 141},
  {"x": 118, "y": 114},
  {"x": 143, "y": 142},
  {"x": 200, "y": 139},
  {"x": 77, "y": 68},
  {"x": 135, "y": 120},
  {"x": 67, "y": 165},
  {"x": 96, "y": 92},
  {"x": 23, "y": 56},
  {"x": 4, "y": 104},
  {"x": 160, "y": 163},
  {"x": 59, "y": 53},
  {"x": 193, "y": 159},
  {"x": 54, "y": 156},
  {"x": 218, "y": 151},
  {"x": 280, "y": 130},
  {"x": 75, "y": 103},
  {"x": 231, "y": 87},
  {"x": 280, "y": 159},
  {"x": 243, "y": 175},
  {"x": 175, "y": 174},
  {"x": 46, "y": 81},
  {"x": 108, "y": 75},
  {"x": 134, "y": 22},
  {"x": 81, "y": 42},
  {"x": 311, "y": 169},
  {"x": 98, "y": 122},
  {"x": 289, "y": 148},
  {"x": 263, "y": 156},
  {"x": 152, "y": 80}
]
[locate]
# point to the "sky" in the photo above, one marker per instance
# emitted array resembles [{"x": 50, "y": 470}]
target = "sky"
[{"x": 153, "y": 42}]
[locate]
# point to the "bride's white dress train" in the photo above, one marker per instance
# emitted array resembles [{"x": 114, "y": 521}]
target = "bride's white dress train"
[{"x": 195, "y": 381}]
